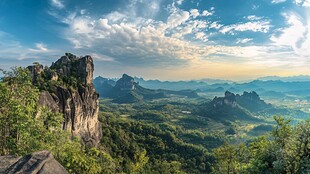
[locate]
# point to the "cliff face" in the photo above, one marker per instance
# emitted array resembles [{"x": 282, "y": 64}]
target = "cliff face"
[
  {"x": 67, "y": 88},
  {"x": 126, "y": 83},
  {"x": 252, "y": 102},
  {"x": 229, "y": 99}
]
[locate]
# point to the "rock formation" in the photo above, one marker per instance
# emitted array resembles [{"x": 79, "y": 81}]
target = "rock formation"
[
  {"x": 252, "y": 101},
  {"x": 36, "y": 163},
  {"x": 67, "y": 88},
  {"x": 226, "y": 108},
  {"x": 229, "y": 99},
  {"x": 248, "y": 100},
  {"x": 127, "y": 90},
  {"x": 126, "y": 83}
]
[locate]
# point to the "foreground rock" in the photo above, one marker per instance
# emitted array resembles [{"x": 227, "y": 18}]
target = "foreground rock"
[
  {"x": 41, "y": 162},
  {"x": 67, "y": 87}
]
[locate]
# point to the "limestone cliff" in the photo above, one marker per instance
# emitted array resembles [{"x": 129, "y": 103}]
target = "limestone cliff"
[{"x": 67, "y": 87}]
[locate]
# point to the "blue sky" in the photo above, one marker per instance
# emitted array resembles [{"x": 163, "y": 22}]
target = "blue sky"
[{"x": 162, "y": 39}]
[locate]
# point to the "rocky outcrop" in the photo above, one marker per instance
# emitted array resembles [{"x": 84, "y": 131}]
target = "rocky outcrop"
[
  {"x": 252, "y": 101},
  {"x": 67, "y": 88},
  {"x": 81, "y": 68},
  {"x": 226, "y": 108},
  {"x": 126, "y": 83},
  {"x": 229, "y": 99},
  {"x": 248, "y": 100},
  {"x": 127, "y": 90},
  {"x": 41, "y": 162}
]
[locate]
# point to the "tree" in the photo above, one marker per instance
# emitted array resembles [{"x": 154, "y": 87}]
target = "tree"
[
  {"x": 226, "y": 160},
  {"x": 26, "y": 127},
  {"x": 18, "y": 110}
]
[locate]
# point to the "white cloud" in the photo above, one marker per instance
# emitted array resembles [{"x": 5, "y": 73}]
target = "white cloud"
[
  {"x": 201, "y": 36},
  {"x": 57, "y": 3},
  {"x": 12, "y": 50},
  {"x": 207, "y": 13},
  {"x": 176, "y": 40},
  {"x": 215, "y": 25},
  {"x": 255, "y": 26},
  {"x": 194, "y": 13},
  {"x": 253, "y": 18},
  {"x": 102, "y": 57},
  {"x": 151, "y": 43},
  {"x": 296, "y": 36},
  {"x": 82, "y": 25},
  {"x": 177, "y": 18},
  {"x": 179, "y": 2},
  {"x": 304, "y": 3},
  {"x": 277, "y": 1},
  {"x": 83, "y": 12},
  {"x": 40, "y": 47},
  {"x": 243, "y": 41},
  {"x": 190, "y": 28}
]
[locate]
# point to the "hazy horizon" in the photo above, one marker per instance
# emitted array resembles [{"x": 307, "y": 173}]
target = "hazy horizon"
[
  {"x": 166, "y": 40},
  {"x": 205, "y": 78}
]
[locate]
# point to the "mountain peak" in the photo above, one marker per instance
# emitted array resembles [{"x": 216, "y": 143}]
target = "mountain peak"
[
  {"x": 126, "y": 83},
  {"x": 67, "y": 87},
  {"x": 81, "y": 68},
  {"x": 125, "y": 76}
]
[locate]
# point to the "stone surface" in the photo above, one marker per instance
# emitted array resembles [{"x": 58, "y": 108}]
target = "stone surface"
[
  {"x": 41, "y": 162},
  {"x": 126, "y": 83},
  {"x": 80, "y": 103}
]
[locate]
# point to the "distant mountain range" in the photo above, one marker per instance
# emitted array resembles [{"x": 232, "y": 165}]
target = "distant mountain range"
[
  {"x": 127, "y": 90},
  {"x": 235, "y": 105},
  {"x": 267, "y": 87},
  {"x": 299, "y": 78}
]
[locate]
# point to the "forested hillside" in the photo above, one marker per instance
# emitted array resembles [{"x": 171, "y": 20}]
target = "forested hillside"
[{"x": 235, "y": 133}]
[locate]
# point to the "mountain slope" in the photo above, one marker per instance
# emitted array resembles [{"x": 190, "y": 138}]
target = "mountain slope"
[
  {"x": 226, "y": 108},
  {"x": 127, "y": 90}
]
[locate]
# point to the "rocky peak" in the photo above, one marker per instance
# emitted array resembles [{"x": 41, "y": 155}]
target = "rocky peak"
[
  {"x": 101, "y": 80},
  {"x": 73, "y": 94},
  {"x": 81, "y": 68},
  {"x": 251, "y": 96},
  {"x": 230, "y": 96},
  {"x": 252, "y": 101},
  {"x": 229, "y": 99},
  {"x": 126, "y": 83},
  {"x": 36, "y": 69}
]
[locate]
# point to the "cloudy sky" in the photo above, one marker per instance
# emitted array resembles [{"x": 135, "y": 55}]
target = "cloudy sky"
[{"x": 161, "y": 39}]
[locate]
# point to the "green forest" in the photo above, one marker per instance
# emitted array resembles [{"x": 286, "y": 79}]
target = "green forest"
[{"x": 150, "y": 137}]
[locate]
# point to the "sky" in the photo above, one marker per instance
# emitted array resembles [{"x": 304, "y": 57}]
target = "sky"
[{"x": 161, "y": 39}]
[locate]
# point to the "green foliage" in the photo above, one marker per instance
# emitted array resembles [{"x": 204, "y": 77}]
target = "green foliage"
[
  {"x": 285, "y": 150},
  {"x": 227, "y": 159},
  {"x": 145, "y": 148},
  {"x": 18, "y": 101},
  {"x": 25, "y": 127},
  {"x": 151, "y": 116}
]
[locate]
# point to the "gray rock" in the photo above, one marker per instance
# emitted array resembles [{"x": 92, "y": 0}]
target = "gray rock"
[
  {"x": 41, "y": 162},
  {"x": 80, "y": 105}
]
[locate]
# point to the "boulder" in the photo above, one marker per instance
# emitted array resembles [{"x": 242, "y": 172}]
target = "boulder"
[{"x": 41, "y": 162}]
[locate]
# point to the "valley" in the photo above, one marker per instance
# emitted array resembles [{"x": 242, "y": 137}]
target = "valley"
[
  {"x": 206, "y": 122},
  {"x": 120, "y": 126}
]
